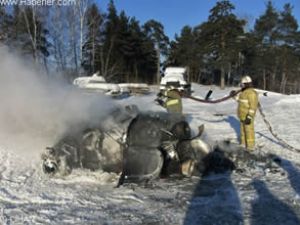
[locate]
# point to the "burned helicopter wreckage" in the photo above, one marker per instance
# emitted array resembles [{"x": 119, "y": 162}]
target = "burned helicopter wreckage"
[{"x": 144, "y": 146}]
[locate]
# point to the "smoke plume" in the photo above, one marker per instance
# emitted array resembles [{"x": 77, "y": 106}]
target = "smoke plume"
[{"x": 35, "y": 112}]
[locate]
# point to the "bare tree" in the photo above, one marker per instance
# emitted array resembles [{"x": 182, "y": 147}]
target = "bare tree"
[
  {"x": 73, "y": 36},
  {"x": 81, "y": 10},
  {"x": 33, "y": 18},
  {"x": 93, "y": 39},
  {"x": 58, "y": 35},
  {"x": 31, "y": 28}
]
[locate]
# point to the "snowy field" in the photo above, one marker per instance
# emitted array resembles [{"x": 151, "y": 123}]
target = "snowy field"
[{"x": 27, "y": 196}]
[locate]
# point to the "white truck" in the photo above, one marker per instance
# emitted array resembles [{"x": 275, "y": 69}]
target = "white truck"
[{"x": 175, "y": 77}]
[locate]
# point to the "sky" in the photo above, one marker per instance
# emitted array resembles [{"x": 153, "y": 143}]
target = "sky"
[{"x": 175, "y": 14}]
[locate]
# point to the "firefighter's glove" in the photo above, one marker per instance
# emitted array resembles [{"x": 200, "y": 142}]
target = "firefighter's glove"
[
  {"x": 248, "y": 119},
  {"x": 160, "y": 94},
  {"x": 232, "y": 93},
  {"x": 159, "y": 101},
  {"x": 181, "y": 93}
]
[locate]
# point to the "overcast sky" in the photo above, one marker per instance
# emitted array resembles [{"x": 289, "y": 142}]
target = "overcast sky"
[{"x": 174, "y": 14}]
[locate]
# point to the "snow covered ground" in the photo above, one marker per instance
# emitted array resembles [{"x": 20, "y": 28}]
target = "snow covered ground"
[{"x": 27, "y": 196}]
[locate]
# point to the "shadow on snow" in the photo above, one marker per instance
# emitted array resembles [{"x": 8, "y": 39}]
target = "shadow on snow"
[
  {"x": 267, "y": 209},
  {"x": 215, "y": 199}
]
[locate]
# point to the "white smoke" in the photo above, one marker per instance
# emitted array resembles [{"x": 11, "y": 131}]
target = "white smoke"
[{"x": 34, "y": 112}]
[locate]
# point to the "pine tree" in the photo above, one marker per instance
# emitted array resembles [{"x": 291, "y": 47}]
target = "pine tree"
[
  {"x": 287, "y": 41},
  {"x": 109, "y": 50},
  {"x": 155, "y": 31},
  {"x": 131, "y": 49},
  {"x": 220, "y": 37},
  {"x": 185, "y": 52},
  {"x": 93, "y": 39},
  {"x": 127, "y": 50},
  {"x": 145, "y": 54},
  {"x": 2, "y": 24},
  {"x": 266, "y": 32}
]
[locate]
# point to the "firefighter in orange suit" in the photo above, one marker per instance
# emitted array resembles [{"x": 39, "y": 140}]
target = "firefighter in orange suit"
[{"x": 247, "y": 106}]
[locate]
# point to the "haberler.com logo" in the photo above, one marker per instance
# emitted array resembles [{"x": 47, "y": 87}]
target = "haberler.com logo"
[{"x": 37, "y": 2}]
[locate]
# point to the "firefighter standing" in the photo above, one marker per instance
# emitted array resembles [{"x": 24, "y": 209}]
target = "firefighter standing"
[
  {"x": 247, "y": 106},
  {"x": 173, "y": 102}
]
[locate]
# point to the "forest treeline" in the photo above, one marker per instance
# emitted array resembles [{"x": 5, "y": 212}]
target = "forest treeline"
[{"x": 86, "y": 37}]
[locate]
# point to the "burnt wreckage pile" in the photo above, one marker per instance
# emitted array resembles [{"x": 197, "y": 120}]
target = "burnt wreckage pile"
[{"x": 144, "y": 146}]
